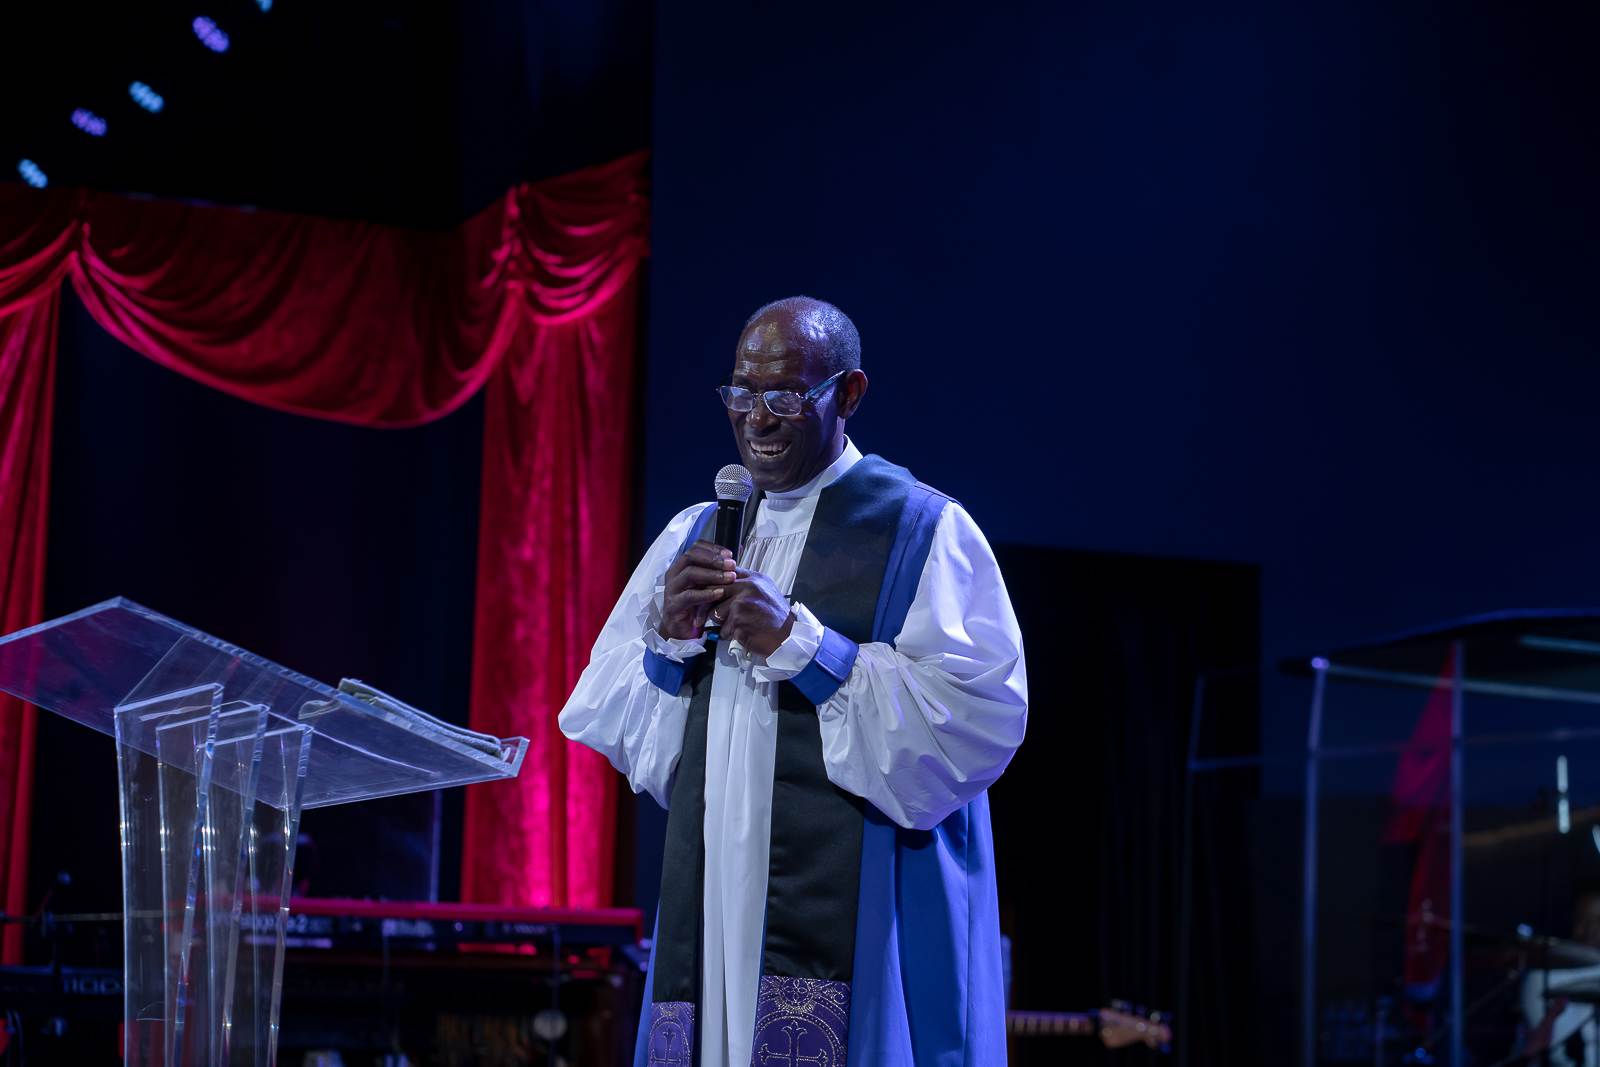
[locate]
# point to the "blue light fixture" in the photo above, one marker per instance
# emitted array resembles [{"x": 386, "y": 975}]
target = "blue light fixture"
[
  {"x": 89, "y": 122},
  {"x": 146, "y": 97},
  {"x": 210, "y": 34}
]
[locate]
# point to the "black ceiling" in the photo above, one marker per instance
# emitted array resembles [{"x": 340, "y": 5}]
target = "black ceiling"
[{"x": 403, "y": 111}]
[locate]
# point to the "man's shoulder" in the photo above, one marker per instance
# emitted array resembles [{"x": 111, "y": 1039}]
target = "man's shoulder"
[
  {"x": 680, "y": 529},
  {"x": 895, "y": 470},
  {"x": 688, "y": 515}
]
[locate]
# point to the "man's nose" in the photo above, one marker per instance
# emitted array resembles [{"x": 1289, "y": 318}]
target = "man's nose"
[{"x": 759, "y": 417}]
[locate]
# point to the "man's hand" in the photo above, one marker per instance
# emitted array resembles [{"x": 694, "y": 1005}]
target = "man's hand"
[
  {"x": 754, "y": 613},
  {"x": 695, "y": 582}
]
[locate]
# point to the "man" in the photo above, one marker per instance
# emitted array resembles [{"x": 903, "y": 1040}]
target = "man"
[
  {"x": 1559, "y": 1004},
  {"x": 828, "y": 893}
]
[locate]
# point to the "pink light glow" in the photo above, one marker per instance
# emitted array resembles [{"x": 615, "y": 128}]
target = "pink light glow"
[
  {"x": 210, "y": 34},
  {"x": 89, "y": 122}
]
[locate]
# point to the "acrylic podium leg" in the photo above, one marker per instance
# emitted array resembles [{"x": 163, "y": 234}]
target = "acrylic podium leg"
[{"x": 210, "y": 811}]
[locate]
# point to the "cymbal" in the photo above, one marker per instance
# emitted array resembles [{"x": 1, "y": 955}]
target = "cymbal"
[
  {"x": 1508, "y": 946},
  {"x": 1555, "y": 953}
]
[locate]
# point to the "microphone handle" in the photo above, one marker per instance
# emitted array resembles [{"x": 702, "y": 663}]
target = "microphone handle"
[
  {"x": 730, "y": 527},
  {"x": 730, "y": 523}
]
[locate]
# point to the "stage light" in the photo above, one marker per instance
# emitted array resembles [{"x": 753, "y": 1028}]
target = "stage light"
[
  {"x": 32, "y": 174},
  {"x": 89, "y": 122},
  {"x": 1319, "y": 664},
  {"x": 1563, "y": 806},
  {"x": 265, "y": 5},
  {"x": 146, "y": 97},
  {"x": 210, "y": 34}
]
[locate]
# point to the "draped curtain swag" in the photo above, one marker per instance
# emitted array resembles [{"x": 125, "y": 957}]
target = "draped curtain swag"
[{"x": 534, "y": 299}]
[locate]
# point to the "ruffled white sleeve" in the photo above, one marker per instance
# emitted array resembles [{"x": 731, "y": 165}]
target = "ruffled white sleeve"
[
  {"x": 615, "y": 708},
  {"x": 924, "y": 725}
]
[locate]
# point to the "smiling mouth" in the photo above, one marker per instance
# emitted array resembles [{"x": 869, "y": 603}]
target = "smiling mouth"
[{"x": 767, "y": 451}]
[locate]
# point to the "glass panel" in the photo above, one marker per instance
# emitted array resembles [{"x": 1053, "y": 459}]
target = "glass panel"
[
  {"x": 1543, "y": 655},
  {"x": 1364, "y": 1010},
  {"x": 218, "y": 753},
  {"x": 1531, "y": 861},
  {"x": 84, "y": 665},
  {"x": 1381, "y": 776},
  {"x": 206, "y": 875}
]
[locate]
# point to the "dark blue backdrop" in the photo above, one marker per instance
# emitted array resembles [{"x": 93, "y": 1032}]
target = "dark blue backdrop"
[{"x": 1305, "y": 287}]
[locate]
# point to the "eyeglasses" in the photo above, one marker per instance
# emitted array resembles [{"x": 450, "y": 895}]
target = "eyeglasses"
[{"x": 785, "y": 403}]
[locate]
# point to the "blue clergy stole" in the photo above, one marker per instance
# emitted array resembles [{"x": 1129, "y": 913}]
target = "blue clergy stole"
[{"x": 882, "y": 945}]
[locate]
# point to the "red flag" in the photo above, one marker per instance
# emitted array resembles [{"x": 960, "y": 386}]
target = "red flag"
[{"x": 1422, "y": 815}]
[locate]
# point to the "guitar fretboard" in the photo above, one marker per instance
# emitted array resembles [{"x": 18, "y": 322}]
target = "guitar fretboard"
[{"x": 1051, "y": 1023}]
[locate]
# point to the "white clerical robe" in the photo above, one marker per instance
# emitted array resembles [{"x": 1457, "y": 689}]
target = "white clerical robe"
[{"x": 921, "y": 726}]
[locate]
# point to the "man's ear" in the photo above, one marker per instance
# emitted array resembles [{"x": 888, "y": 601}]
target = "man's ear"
[{"x": 852, "y": 388}]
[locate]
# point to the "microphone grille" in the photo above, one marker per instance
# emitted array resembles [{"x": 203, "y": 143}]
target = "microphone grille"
[{"x": 734, "y": 483}]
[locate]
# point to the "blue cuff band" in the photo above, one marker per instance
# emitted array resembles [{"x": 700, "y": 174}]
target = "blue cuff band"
[
  {"x": 664, "y": 673},
  {"x": 827, "y": 670}
]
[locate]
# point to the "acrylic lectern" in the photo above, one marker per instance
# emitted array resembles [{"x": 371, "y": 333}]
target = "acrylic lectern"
[{"x": 218, "y": 752}]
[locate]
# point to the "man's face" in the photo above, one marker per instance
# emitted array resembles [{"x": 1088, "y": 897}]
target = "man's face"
[
  {"x": 1586, "y": 919},
  {"x": 784, "y": 453}
]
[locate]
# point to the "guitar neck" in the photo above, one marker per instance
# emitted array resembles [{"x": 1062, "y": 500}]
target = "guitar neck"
[{"x": 1053, "y": 1023}]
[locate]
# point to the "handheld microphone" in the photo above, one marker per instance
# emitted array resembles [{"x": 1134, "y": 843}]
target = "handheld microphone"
[{"x": 733, "y": 486}]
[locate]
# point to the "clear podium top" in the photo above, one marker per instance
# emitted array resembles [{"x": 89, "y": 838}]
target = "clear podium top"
[
  {"x": 1542, "y": 655},
  {"x": 118, "y": 654}
]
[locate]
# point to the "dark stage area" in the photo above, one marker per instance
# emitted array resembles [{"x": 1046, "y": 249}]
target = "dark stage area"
[{"x": 1089, "y": 818}]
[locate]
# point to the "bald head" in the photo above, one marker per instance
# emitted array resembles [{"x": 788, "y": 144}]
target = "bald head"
[
  {"x": 810, "y": 349},
  {"x": 803, "y": 321}
]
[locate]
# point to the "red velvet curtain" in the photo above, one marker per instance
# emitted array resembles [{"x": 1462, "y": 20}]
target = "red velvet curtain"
[
  {"x": 342, "y": 320},
  {"x": 553, "y": 541},
  {"x": 380, "y": 326},
  {"x": 27, "y": 378}
]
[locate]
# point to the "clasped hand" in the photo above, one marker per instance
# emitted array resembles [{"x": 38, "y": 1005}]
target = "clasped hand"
[{"x": 705, "y": 582}]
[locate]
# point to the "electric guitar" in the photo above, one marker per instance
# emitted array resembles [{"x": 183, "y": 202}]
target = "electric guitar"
[{"x": 1116, "y": 1027}]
